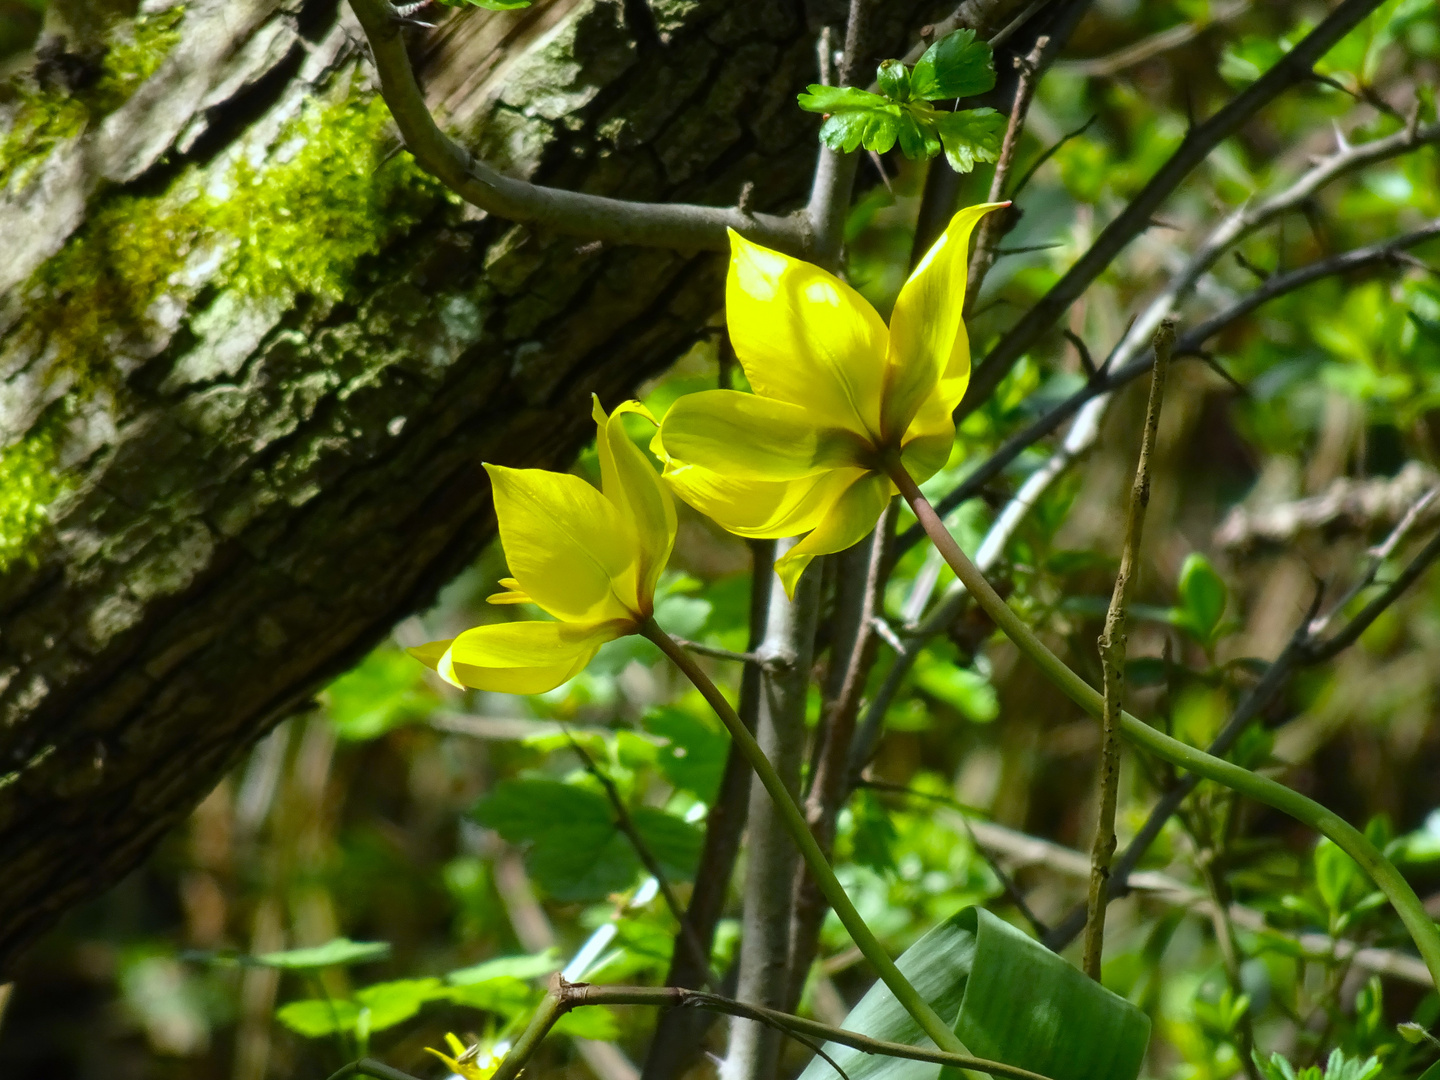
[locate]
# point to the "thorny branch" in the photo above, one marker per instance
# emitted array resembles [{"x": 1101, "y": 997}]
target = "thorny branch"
[
  {"x": 1137, "y": 216},
  {"x": 1112, "y": 660}
]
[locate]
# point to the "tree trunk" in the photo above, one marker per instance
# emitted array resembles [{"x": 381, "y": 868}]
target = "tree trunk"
[{"x": 251, "y": 358}]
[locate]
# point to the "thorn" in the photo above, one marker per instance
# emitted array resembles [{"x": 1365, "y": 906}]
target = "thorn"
[
  {"x": 1342, "y": 144},
  {"x": 1086, "y": 360},
  {"x": 1214, "y": 365},
  {"x": 1259, "y": 271},
  {"x": 1160, "y": 223},
  {"x": 880, "y": 168},
  {"x": 747, "y": 197}
]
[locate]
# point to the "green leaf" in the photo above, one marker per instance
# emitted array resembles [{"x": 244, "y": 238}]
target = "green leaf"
[
  {"x": 674, "y": 843},
  {"x": 1203, "y": 596},
  {"x": 963, "y": 688},
  {"x": 955, "y": 66},
  {"x": 970, "y": 136},
  {"x": 873, "y": 837},
  {"x": 387, "y": 690},
  {"x": 893, "y": 78},
  {"x": 337, "y": 953},
  {"x": 1336, "y": 873},
  {"x": 1013, "y": 1000},
  {"x": 504, "y": 996},
  {"x": 833, "y": 99},
  {"x": 489, "y": 5},
  {"x": 694, "y": 758},
  {"x": 874, "y": 129},
  {"x": 509, "y": 967},
  {"x": 315, "y": 1019},
  {"x": 575, "y": 852},
  {"x": 592, "y": 1022},
  {"x": 918, "y": 140},
  {"x": 391, "y": 1003}
]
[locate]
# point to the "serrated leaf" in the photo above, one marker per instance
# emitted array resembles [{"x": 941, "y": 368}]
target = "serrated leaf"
[
  {"x": 674, "y": 843},
  {"x": 504, "y": 996},
  {"x": 1012, "y": 1000},
  {"x": 831, "y": 99},
  {"x": 918, "y": 141},
  {"x": 392, "y": 1003},
  {"x": 873, "y": 836},
  {"x": 874, "y": 129},
  {"x": 955, "y": 66},
  {"x": 315, "y": 1019},
  {"x": 970, "y": 136},
  {"x": 336, "y": 953},
  {"x": 508, "y": 967},
  {"x": 575, "y": 851},
  {"x": 694, "y": 758}
]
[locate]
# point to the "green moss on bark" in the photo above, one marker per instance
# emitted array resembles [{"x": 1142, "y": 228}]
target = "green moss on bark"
[
  {"x": 39, "y": 118},
  {"x": 29, "y": 482}
]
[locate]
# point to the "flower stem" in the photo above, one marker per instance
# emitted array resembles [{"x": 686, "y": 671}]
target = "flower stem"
[
  {"x": 906, "y": 994},
  {"x": 1348, "y": 838}
]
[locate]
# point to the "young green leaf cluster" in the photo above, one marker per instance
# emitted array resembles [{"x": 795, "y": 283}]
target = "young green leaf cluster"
[{"x": 956, "y": 66}]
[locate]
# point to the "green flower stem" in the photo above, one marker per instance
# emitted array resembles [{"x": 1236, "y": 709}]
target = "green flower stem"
[
  {"x": 794, "y": 822},
  {"x": 1348, "y": 838},
  {"x": 541, "y": 1021}
]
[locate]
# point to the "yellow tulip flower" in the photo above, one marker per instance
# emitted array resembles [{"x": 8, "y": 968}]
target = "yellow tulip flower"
[
  {"x": 589, "y": 558},
  {"x": 838, "y": 398},
  {"x": 477, "y": 1062}
]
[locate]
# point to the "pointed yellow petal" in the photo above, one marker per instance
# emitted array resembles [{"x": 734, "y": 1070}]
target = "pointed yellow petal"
[
  {"x": 805, "y": 337},
  {"x": 456, "y": 1046},
  {"x": 524, "y": 657},
  {"x": 431, "y": 653},
  {"x": 748, "y": 437},
  {"x": 761, "y": 508},
  {"x": 849, "y": 519},
  {"x": 929, "y": 348},
  {"x": 566, "y": 545},
  {"x": 632, "y": 484}
]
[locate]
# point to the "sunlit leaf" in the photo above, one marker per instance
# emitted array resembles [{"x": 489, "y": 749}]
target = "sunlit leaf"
[
  {"x": 337, "y": 953},
  {"x": 509, "y": 967},
  {"x": 694, "y": 758},
  {"x": 391, "y": 1003},
  {"x": 955, "y": 66},
  {"x": 315, "y": 1019},
  {"x": 1011, "y": 999}
]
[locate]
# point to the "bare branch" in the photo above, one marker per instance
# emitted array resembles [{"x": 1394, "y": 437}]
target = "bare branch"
[
  {"x": 1294, "y": 67},
  {"x": 1352, "y": 630},
  {"x": 1112, "y": 660},
  {"x": 995, "y": 225},
  {"x": 667, "y": 225},
  {"x": 1156, "y": 44}
]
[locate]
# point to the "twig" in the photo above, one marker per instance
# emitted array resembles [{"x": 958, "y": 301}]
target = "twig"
[
  {"x": 666, "y": 225},
  {"x": 1129, "y": 362},
  {"x": 370, "y": 1067},
  {"x": 626, "y": 824},
  {"x": 835, "y": 171},
  {"x": 1025, "y": 850},
  {"x": 1156, "y": 44},
  {"x": 1112, "y": 660},
  {"x": 563, "y": 997},
  {"x": 1049, "y": 152},
  {"x": 994, "y": 226},
  {"x": 1293, "y": 67},
  {"x": 1352, "y": 630},
  {"x": 718, "y": 653}
]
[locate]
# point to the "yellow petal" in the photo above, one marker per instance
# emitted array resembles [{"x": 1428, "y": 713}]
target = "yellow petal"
[
  {"x": 849, "y": 519},
  {"x": 929, "y": 351},
  {"x": 431, "y": 653},
  {"x": 632, "y": 484},
  {"x": 749, "y": 437},
  {"x": 524, "y": 657},
  {"x": 566, "y": 544},
  {"x": 765, "y": 509},
  {"x": 805, "y": 337}
]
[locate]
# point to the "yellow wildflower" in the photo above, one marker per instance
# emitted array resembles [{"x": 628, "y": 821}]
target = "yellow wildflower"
[
  {"x": 589, "y": 558},
  {"x": 477, "y": 1062},
  {"x": 838, "y": 398}
]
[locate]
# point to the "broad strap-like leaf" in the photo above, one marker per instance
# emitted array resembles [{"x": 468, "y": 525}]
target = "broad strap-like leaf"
[{"x": 1011, "y": 999}]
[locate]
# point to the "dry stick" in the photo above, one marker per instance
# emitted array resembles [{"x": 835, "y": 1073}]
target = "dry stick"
[
  {"x": 626, "y": 824},
  {"x": 1112, "y": 660},
  {"x": 1349, "y": 839},
  {"x": 994, "y": 226},
  {"x": 1156, "y": 44},
  {"x": 1137, "y": 216}
]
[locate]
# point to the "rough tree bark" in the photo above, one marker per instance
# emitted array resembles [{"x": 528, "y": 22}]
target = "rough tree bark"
[{"x": 250, "y": 360}]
